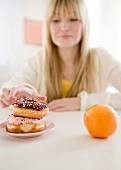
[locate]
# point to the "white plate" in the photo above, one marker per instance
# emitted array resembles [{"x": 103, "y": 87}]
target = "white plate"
[{"x": 49, "y": 126}]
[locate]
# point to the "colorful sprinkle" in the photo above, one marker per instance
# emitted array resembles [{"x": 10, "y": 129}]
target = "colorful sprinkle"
[{"x": 30, "y": 103}]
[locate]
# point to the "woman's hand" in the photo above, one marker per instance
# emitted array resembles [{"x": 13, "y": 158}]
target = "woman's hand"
[
  {"x": 8, "y": 96},
  {"x": 65, "y": 104}
]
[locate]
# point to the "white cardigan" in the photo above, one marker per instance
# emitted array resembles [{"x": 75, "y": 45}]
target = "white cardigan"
[{"x": 32, "y": 75}]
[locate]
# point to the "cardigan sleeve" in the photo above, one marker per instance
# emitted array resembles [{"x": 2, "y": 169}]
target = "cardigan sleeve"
[
  {"x": 111, "y": 70},
  {"x": 29, "y": 75},
  {"x": 88, "y": 100}
]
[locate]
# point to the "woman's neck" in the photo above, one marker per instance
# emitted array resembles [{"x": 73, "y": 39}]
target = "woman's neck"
[
  {"x": 70, "y": 58},
  {"x": 69, "y": 55}
]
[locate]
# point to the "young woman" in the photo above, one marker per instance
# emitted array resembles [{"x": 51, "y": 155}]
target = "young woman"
[{"x": 72, "y": 75}]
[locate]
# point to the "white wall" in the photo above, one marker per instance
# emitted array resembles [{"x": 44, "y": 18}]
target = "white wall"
[
  {"x": 34, "y": 9},
  {"x": 10, "y": 38},
  {"x": 94, "y": 9},
  {"x": 111, "y": 27}
]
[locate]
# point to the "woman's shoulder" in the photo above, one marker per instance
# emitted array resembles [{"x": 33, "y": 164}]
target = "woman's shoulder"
[
  {"x": 104, "y": 57},
  {"x": 36, "y": 59},
  {"x": 38, "y": 54},
  {"x": 101, "y": 53}
]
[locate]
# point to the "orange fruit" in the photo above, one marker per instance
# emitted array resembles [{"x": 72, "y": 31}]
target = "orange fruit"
[{"x": 101, "y": 120}]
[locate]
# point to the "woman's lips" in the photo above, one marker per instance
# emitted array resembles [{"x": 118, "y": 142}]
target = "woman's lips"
[{"x": 65, "y": 36}]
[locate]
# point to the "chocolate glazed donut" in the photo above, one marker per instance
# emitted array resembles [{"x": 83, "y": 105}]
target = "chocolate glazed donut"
[{"x": 31, "y": 108}]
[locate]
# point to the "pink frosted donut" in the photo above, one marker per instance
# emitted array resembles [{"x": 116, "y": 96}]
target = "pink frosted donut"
[{"x": 17, "y": 124}]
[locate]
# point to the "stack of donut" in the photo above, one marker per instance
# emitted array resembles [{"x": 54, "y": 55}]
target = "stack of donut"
[{"x": 28, "y": 116}]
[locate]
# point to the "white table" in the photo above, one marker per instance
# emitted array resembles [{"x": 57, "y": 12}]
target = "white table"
[{"x": 67, "y": 147}]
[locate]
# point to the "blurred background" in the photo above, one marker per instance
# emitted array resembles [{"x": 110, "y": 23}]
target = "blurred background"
[{"x": 21, "y": 30}]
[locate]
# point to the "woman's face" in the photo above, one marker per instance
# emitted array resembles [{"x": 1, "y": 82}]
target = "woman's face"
[{"x": 65, "y": 31}]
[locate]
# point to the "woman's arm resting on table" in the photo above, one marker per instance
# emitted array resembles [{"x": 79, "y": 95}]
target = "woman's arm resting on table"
[{"x": 65, "y": 104}]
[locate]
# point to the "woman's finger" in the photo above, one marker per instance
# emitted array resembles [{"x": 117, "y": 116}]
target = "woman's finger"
[
  {"x": 12, "y": 94},
  {"x": 17, "y": 93},
  {"x": 6, "y": 92},
  {"x": 21, "y": 91},
  {"x": 5, "y": 101},
  {"x": 30, "y": 94},
  {"x": 3, "y": 105}
]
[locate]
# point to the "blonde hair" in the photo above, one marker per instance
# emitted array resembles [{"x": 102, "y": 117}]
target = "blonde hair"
[{"x": 85, "y": 75}]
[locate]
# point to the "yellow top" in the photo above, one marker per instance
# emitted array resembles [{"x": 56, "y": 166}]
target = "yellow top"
[{"x": 66, "y": 85}]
